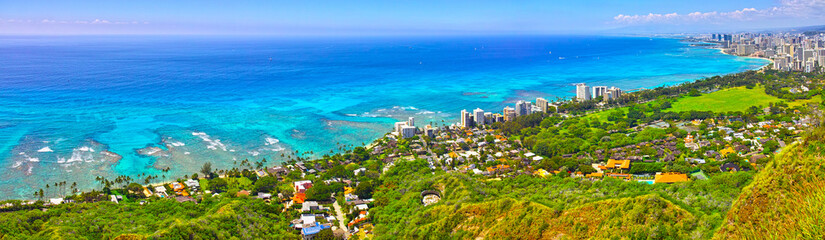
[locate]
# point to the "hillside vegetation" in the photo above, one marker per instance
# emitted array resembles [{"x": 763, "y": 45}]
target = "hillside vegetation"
[
  {"x": 786, "y": 200},
  {"x": 227, "y": 218},
  {"x": 635, "y": 217},
  {"x": 531, "y": 207}
]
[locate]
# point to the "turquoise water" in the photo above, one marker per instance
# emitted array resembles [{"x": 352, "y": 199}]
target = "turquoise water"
[{"x": 73, "y": 108}]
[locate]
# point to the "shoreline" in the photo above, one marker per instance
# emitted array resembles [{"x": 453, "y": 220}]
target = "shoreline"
[
  {"x": 770, "y": 61},
  {"x": 372, "y": 142}
]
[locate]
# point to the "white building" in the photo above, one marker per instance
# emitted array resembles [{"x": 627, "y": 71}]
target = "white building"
[
  {"x": 478, "y": 116},
  {"x": 612, "y": 94},
  {"x": 509, "y": 114},
  {"x": 407, "y": 131},
  {"x": 466, "y": 122},
  {"x": 523, "y": 108},
  {"x": 542, "y": 104},
  {"x": 411, "y": 121},
  {"x": 599, "y": 91},
  {"x": 398, "y": 126},
  {"x": 488, "y": 118},
  {"x": 582, "y": 92}
]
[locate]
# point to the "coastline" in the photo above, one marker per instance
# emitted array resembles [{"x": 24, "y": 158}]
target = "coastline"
[
  {"x": 372, "y": 142},
  {"x": 769, "y": 64}
]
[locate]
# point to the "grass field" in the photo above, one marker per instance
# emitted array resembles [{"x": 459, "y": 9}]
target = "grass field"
[
  {"x": 602, "y": 116},
  {"x": 725, "y": 100},
  {"x": 815, "y": 100}
]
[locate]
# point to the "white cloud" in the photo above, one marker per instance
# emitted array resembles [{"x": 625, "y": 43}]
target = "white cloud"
[
  {"x": 52, "y": 21},
  {"x": 810, "y": 9}
]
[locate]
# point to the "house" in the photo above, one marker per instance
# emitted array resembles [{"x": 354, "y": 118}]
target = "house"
[
  {"x": 56, "y": 201},
  {"x": 302, "y": 186},
  {"x": 262, "y": 195},
  {"x": 729, "y": 167},
  {"x": 176, "y": 186},
  {"x": 541, "y": 172},
  {"x": 147, "y": 192},
  {"x": 309, "y": 206},
  {"x": 672, "y": 177},
  {"x": 618, "y": 164},
  {"x": 695, "y": 160},
  {"x": 242, "y": 193},
  {"x": 307, "y": 219},
  {"x": 362, "y": 207},
  {"x": 181, "y": 199},
  {"x": 726, "y": 151},
  {"x": 192, "y": 184},
  {"x": 260, "y": 173},
  {"x": 310, "y": 232},
  {"x": 359, "y": 171},
  {"x": 161, "y": 191},
  {"x": 277, "y": 171}
]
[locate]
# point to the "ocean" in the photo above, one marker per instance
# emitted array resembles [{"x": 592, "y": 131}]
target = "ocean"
[{"x": 76, "y": 107}]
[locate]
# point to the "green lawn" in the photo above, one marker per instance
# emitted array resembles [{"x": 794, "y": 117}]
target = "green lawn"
[
  {"x": 725, "y": 100},
  {"x": 602, "y": 116},
  {"x": 815, "y": 100}
]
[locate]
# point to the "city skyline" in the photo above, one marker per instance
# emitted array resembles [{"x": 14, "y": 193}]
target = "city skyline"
[{"x": 404, "y": 18}]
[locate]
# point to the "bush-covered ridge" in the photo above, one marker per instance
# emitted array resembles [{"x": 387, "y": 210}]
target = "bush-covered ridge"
[
  {"x": 534, "y": 207},
  {"x": 786, "y": 200},
  {"x": 237, "y": 218}
]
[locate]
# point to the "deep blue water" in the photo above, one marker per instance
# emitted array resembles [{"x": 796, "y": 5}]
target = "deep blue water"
[{"x": 69, "y": 106}]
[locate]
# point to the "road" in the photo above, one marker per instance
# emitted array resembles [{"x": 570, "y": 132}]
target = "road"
[{"x": 341, "y": 221}]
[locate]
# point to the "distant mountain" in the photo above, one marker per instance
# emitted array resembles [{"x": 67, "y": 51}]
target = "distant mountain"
[{"x": 807, "y": 30}]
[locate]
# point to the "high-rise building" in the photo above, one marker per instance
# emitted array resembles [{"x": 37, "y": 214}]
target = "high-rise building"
[
  {"x": 613, "y": 93},
  {"x": 542, "y": 104},
  {"x": 770, "y": 53},
  {"x": 398, "y": 126},
  {"x": 807, "y": 54},
  {"x": 582, "y": 92},
  {"x": 780, "y": 64},
  {"x": 466, "y": 121},
  {"x": 599, "y": 91},
  {"x": 523, "y": 108},
  {"x": 821, "y": 61},
  {"x": 498, "y": 117},
  {"x": 509, "y": 114},
  {"x": 745, "y": 49},
  {"x": 478, "y": 115},
  {"x": 407, "y": 131},
  {"x": 488, "y": 118},
  {"x": 411, "y": 121},
  {"x": 788, "y": 49}
]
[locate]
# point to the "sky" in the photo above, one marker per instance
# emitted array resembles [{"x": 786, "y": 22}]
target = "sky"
[{"x": 400, "y": 17}]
